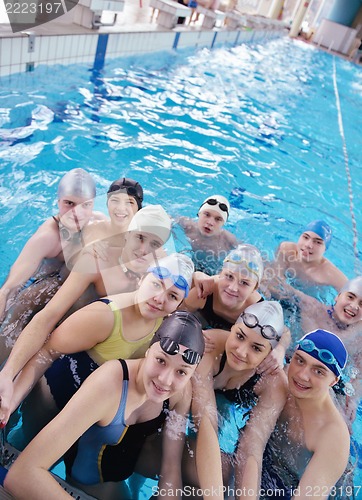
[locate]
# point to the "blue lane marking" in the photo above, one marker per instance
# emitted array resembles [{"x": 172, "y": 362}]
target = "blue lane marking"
[
  {"x": 177, "y": 38},
  {"x": 100, "y": 51}
]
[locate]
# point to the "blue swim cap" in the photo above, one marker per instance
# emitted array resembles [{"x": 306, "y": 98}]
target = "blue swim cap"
[
  {"x": 325, "y": 347},
  {"x": 321, "y": 228}
]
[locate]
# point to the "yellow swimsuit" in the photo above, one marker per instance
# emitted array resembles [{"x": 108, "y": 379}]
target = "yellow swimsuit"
[{"x": 116, "y": 346}]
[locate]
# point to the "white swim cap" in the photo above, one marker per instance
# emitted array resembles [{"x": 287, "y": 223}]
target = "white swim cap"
[
  {"x": 246, "y": 257},
  {"x": 77, "y": 182},
  {"x": 268, "y": 317},
  {"x": 354, "y": 285},
  {"x": 218, "y": 203},
  {"x": 152, "y": 219}
]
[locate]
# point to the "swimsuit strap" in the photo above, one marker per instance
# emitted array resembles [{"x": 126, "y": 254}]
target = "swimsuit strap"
[
  {"x": 56, "y": 219},
  {"x": 125, "y": 369},
  {"x": 222, "y": 364},
  {"x": 105, "y": 300}
]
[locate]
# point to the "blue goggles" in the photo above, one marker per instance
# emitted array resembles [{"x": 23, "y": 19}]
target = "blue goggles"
[
  {"x": 163, "y": 273},
  {"x": 324, "y": 355}
]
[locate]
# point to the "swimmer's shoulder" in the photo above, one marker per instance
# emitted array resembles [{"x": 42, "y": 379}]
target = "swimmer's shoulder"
[
  {"x": 287, "y": 247},
  {"x": 95, "y": 230},
  {"x": 46, "y": 238},
  {"x": 230, "y": 240},
  {"x": 98, "y": 216},
  {"x": 274, "y": 385},
  {"x": 330, "y": 275}
]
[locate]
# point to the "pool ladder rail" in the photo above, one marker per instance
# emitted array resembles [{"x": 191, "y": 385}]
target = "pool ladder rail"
[{"x": 9, "y": 455}]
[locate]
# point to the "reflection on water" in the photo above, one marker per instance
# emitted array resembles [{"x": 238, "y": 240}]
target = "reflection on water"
[{"x": 258, "y": 124}]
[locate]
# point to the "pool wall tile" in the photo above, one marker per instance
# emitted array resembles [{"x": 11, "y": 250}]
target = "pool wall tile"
[
  {"x": 6, "y": 51},
  {"x": 53, "y": 52},
  {"x": 84, "y": 48},
  {"x": 188, "y": 39}
]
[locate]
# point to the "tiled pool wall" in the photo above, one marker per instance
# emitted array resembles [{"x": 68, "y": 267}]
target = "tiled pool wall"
[{"x": 24, "y": 52}]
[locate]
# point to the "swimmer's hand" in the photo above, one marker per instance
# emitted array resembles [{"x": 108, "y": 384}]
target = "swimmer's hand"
[
  {"x": 6, "y": 396},
  {"x": 98, "y": 249},
  {"x": 273, "y": 362},
  {"x": 204, "y": 284},
  {"x": 209, "y": 342}
]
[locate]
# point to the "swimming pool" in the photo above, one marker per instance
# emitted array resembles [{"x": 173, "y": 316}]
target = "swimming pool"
[{"x": 274, "y": 128}]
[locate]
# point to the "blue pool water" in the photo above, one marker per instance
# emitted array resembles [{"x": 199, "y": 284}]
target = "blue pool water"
[{"x": 274, "y": 128}]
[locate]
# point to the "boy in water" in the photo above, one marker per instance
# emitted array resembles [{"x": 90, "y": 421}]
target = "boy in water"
[
  {"x": 308, "y": 450},
  {"x": 47, "y": 257},
  {"x": 305, "y": 259},
  {"x": 210, "y": 242}
]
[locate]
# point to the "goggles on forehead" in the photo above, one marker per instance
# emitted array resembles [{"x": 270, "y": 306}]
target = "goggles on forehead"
[
  {"x": 267, "y": 331},
  {"x": 324, "y": 355},
  {"x": 235, "y": 258},
  {"x": 213, "y": 202},
  {"x": 178, "y": 280},
  {"x": 131, "y": 188},
  {"x": 171, "y": 347}
]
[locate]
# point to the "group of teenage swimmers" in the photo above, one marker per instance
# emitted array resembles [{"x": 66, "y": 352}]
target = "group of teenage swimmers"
[{"x": 177, "y": 365}]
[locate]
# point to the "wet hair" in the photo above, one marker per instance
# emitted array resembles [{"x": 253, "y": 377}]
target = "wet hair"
[
  {"x": 183, "y": 328},
  {"x": 77, "y": 182},
  {"x": 129, "y": 186}
]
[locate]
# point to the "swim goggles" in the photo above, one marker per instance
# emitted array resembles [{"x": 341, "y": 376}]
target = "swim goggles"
[
  {"x": 324, "y": 355},
  {"x": 163, "y": 273},
  {"x": 267, "y": 331},
  {"x": 131, "y": 187},
  {"x": 235, "y": 258},
  {"x": 171, "y": 347},
  {"x": 213, "y": 202}
]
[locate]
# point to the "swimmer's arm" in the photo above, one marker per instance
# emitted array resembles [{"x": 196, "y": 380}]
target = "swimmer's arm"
[
  {"x": 34, "y": 335},
  {"x": 335, "y": 277},
  {"x": 192, "y": 302},
  {"x": 327, "y": 464},
  {"x": 275, "y": 358},
  {"x": 81, "y": 331},
  {"x": 204, "y": 284},
  {"x": 173, "y": 442},
  {"x": 272, "y": 392},
  {"x": 40, "y": 246},
  {"x": 204, "y": 411},
  {"x": 215, "y": 338},
  {"x": 29, "y": 478},
  {"x": 186, "y": 223}
]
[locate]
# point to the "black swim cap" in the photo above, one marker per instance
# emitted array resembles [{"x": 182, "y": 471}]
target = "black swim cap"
[
  {"x": 131, "y": 187},
  {"x": 184, "y": 328}
]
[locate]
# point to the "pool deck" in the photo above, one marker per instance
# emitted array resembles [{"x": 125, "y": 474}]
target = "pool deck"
[{"x": 135, "y": 18}]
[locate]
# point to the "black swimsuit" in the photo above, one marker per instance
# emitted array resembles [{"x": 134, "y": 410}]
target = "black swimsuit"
[{"x": 245, "y": 395}]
